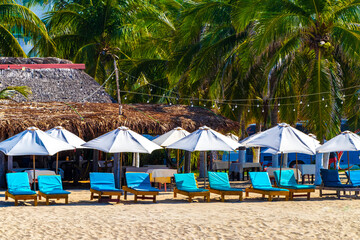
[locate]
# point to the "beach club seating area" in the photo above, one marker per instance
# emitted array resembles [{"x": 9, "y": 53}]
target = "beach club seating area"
[
  {"x": 103, "y": 187},
  {"x": 272, "y": 182}
]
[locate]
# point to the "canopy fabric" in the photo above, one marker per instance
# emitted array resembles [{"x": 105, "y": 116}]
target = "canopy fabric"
[
  {"x": 170, "y": 137},
  {"x": 285, "y": 139},
  {"x": 232, "y": 136},
  {"x": 345, "y": 141},
  {"x": 66, "y": 136},
  {"x": 120, "y": 140},
  {"x": 205, "y": 139},
  {"x": 33, "y": 142}
]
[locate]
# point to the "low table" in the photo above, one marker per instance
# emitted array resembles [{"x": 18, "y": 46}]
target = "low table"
[{"x": 161, "y": 176}]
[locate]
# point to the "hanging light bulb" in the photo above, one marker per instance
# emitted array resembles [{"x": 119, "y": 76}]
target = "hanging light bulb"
[
  {"x": 322, "y": 99},
  {"x": 342, "y": 102},
  {"x": 278, "y": 110},
  {"x": 301, "y": 102},
  {"x": 236, "y": 106},
  {"x": 326, "y": 105},
  {"x": 204, "y": 104},
  {"x": 192, "y": 105},
  {"x": 294, "y": 110},
  {"x": 170, "y": 103},
  {"x": 150, "y": 89},
  {"x": 125, "y": 97},
  {"x": 248, "y": 110},
  {"x": 213, "y": 105},
  {"x": 278, "y": 104},
  {"x": 262, "y": 110},
  {"x": 147, "y": 101},
  {"x": 258, "y": 105},
  {"x": 308, "y": 105},
  {"x": 232, "y": 109}
]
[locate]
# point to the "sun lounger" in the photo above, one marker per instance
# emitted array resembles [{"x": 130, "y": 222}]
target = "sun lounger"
[
  {"x": 354, "y": 178},
  {"x": 260, "y": 183},
  {"x": 50, "y": 187},
  {"x": 19, "y": 188},
  {"x": 186, "y": 185},
  {"x": 219, "y": 184},
  {"x": 331, "y": 182},
  {"x": 288, "y": 182},
  {"x": 139, "y": 185},
  {"x": 103, "y": 184}
]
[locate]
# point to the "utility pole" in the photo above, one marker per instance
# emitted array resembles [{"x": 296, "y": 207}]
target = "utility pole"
[{"x": 117, "y": 85}]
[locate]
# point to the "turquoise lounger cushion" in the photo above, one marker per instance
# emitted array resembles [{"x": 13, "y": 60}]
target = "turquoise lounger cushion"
[
  {"x": 261, "y": 181},
  {"x": 51, "y": 184},
  {"x": 330, "y": 178},
  {"x": 103, "y": 182},
  {"x": 186, "y": 182},
  {"x": 220, "y": 181},
  {"x": 354, "y": 177},
  {"x": 18, "y": 184},
  {"x": 140, "y": 182},
  {"x": 288, "y": 180}
]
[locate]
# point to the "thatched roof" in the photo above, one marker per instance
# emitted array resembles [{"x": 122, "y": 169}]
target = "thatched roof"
[
  {"x": 48, "y": 85},
  {"x": 90, "y": 120}
]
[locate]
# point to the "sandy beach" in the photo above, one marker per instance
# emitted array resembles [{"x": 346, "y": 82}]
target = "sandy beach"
[{"x": 320, "y": 218}]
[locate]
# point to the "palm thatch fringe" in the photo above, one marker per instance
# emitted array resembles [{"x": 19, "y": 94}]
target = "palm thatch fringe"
[{"x": 90, "y": 120}]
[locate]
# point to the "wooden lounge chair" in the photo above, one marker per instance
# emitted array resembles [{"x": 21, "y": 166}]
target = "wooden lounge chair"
[
  {"x": 19, "y": 188},
  {"x": 260, "y": 183},
  {"x": 331, "y": 182},
  {"x": 219, "y": 184},
  {"x": 139, "y": 185},
  {"x": 187, "y": 185},
  {"x": 354, "y": 178},
  {"x": 103, "y": 184},
  {"x": 288, "y": 182},
  {"x": 50, "y": 187}
]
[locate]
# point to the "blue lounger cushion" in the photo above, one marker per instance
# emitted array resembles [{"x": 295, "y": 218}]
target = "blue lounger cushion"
[
  {"x": 261, "y": 181},
  {"x": 186, "y": 182},
  {"x": 220, "y": 181},
  {"x": 288, "y": 180},
  {"x": 140, "y": 182},
  {"x": 51, "y": 184},
  {"x": 18, "y": 184},
  {"x": 354, "y": 177},
  {"x": 103, "y": 182},
  {"x": 330, "y": 178}
]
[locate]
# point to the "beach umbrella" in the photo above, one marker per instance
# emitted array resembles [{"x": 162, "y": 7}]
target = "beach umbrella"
[
  {"x": 345, "y": 141},
  {"x": 33, "y": 142},
  {"x": 169, "y": 138},
  {"x": 122, "y": 140},
  {"x": 205, "y": 139},
  {"x": 284, "y": 139},
  {"x": 66, "y": 136}
]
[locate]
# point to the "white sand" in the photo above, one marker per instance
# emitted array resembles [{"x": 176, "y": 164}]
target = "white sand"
[{"x": 254, "y": 218}]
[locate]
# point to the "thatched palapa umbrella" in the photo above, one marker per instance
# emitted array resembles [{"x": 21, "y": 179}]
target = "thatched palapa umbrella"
[
  {"x": 33, "y": 142},
  {"x": 122, "y": 140}
]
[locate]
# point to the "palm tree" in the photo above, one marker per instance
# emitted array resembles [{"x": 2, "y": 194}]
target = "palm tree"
[
  {"x": 9, "y": 92},
  {"x": 17, "y": 21},
  {"x": 93, "y": 32},
  {"x": 313, "y": 43}
]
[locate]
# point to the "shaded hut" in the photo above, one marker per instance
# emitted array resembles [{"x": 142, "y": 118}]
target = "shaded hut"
[{"x": 90, "y": 120}]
